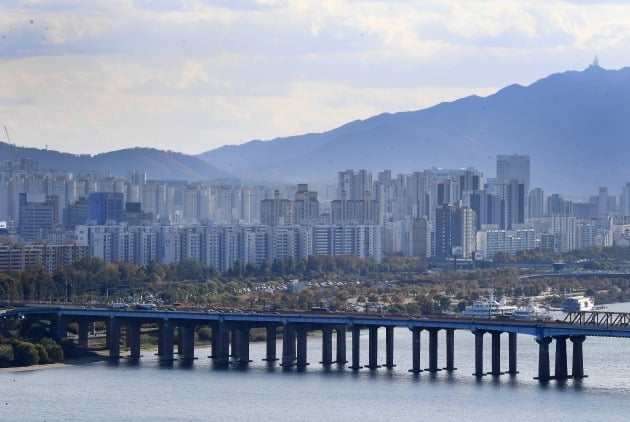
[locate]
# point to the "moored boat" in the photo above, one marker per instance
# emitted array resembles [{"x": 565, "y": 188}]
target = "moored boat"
[
  {"x": 578, "y": 303},
  {"x": 489, "y": 308},
  {"x": 532, "y": 312}
]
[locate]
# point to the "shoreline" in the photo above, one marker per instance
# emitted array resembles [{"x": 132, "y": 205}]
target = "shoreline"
[{"x": 89, "y": 357}]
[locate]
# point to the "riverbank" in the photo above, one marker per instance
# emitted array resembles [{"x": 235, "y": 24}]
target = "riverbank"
[{"x": 89, "y": 357}]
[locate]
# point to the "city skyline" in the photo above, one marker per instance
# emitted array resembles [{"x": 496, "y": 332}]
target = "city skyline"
[
  {"x": 103, "y": 76},
  {"x": 193, "y": 192},
  {"x": 438, "y": 214}
]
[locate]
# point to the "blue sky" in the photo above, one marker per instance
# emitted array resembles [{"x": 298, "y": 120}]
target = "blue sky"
[{"x": 93, "y": 76}]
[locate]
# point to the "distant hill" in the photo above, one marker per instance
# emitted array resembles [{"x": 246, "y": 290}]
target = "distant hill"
[
  {"x": 575, "y": 126},
  {"x": 161, "y": 165}
]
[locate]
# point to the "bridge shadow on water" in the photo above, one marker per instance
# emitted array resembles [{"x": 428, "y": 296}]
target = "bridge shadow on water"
[{"x": 444, "y": 377}]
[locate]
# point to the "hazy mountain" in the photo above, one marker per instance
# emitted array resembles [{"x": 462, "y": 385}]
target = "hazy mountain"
[
  {"x": 158, "y": 164},
  {"x": 574, "y": 125}
]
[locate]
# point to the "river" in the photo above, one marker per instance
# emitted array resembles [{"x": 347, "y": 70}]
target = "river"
[{"x": 104, "y": 391}]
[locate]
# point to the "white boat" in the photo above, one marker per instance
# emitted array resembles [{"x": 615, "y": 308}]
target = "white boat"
[
  {"x": 578, "y": 303},
  {"x": 532, "y": 312},
  {"x": 489, "y": 308}
]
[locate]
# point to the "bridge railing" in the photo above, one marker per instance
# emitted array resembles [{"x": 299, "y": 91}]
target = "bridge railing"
[{"x": 600, "y": 319}]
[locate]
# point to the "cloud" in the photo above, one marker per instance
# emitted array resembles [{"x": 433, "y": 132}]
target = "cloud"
[{"x": 193, "y": 74}]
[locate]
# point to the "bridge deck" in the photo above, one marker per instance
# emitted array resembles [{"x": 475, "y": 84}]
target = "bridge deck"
[{"x": 607, "y": 324}]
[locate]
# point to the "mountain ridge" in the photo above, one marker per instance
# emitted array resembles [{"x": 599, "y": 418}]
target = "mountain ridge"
[
  {"x": 159, "y": 164},
  {"x": 571, "y": 123}
]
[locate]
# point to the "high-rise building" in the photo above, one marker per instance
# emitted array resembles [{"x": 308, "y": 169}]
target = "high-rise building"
[
  {"x": 305, "y": 206},
  {"x": 515, "y": 203},
  {"x": 365, "y": 211},
  {"x": 558, "y": 206},
  {"x": 355, "y": 185},
  {"x": 420, "y": 238},
  {"x": 602, "y": 202},
  {"x": 277, "y": 211},
  {"x": 489, "y": 209},
  {"x": 490, "y": 242},
  {"x": 196, "y": 203},
  {"x": 515, "y": 167},
  {"x": 564, "y": 232},
  {"x": 454, "y": 231},
  {"x": 418, "y": 189},
  {"x": 536, "y": 203},
  {"x": 625, "y": 200},
  {"x": 470, "y": 180},
  {"x": 105, "y": 206},
  {"x": 76, "y": 214},
  {"x": 363, "y": 241},
  {"x": 37, "y": 216},
  {"x": 155, "y": 199}
]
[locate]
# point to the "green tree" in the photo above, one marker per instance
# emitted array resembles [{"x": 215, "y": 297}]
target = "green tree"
[
  {"x": 155, "y": 273},
  {"x": 8, "y": 287},
  {"x": 43, "y": 354},
  {"x": 412, "y": 308},
  {"x": 25, "y": 353},
  {"x": 53, "y": 350},
  {"x": 190, "y": 269},
  {"x": 6, "y": 355}
]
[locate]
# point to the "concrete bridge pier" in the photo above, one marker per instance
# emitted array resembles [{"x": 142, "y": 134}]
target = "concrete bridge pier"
[
  {"x": 373, "y": 348},
  {"x": 84, "y": 328},
  {"x": 356, "y": 348},
  {"x": 108, "y": 333},
  {"x": 561, "y": 372},
  {"x": 132, "y": 331},
  {"x": 543, "y": 359},
  {"x": 178, "y": 340},
  {"x": 59, "y": 328},
  {"x": 166, "y": 340},
  {"x": 341, "y": 345},
  {"x": 220, "y": 345},
  {"x": 496, "y": 354},
  {"x": 113, "y": 332},
  {"x": 288, "y": 346},
  {"x": 160, "y": 342},
  {"x": 186, "y": 341},
  {"x": 433, "y": 350},
  {"x": 214, "y": 341},
  {"x": 302, "y": 358},
  {"x": 270, "y": 355},
  {"x": 512, "y": 353},
  {"x": 242, "y": 341},
  {"x": 327, "y": 346},
  {"x": 415, "y": 350},
  {"x": 234, "y": 343},
  {"x": 479, "y": 353},
  {"x": 450, "y": 350},
  {"x": 578, "y": 357},
  {"x": 389, "y": 347}
]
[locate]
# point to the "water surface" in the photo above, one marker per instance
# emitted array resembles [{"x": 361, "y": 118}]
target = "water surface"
[{"x": 148, "y": 390}]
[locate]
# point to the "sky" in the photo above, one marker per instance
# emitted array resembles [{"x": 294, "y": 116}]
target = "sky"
[{"x": 192, "y": 75}]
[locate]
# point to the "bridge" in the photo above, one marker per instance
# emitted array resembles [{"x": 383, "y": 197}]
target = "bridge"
[
  {"x": 600, "y": 319},
  {"x": 230, "y": 336},
  {"x": 578, "y": 274}
]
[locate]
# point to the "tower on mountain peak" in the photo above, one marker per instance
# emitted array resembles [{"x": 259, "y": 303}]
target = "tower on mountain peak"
[{"x": 595, "y": 62}]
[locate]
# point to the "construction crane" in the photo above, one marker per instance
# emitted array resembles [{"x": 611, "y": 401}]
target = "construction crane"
[{"x": 12, "y": 145}]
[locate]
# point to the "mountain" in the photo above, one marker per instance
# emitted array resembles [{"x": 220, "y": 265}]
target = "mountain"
[
  {"x": 574, "y": 125},
  {"x": 163, "y": 165}
]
